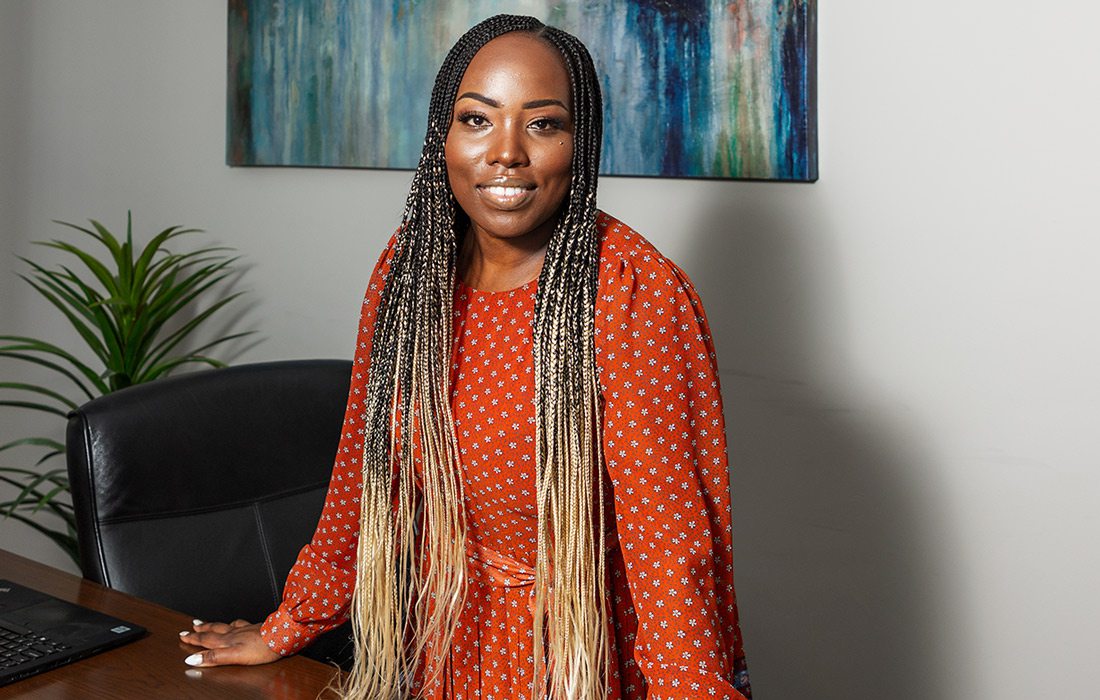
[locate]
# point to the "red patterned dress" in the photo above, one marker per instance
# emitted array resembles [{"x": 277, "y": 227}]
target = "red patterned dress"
[{"x": 671, "y": 603}]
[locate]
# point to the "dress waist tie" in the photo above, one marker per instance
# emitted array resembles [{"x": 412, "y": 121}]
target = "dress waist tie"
[
  {"x": 506, "y": 572},
  {"x": 488, "y": 566}
]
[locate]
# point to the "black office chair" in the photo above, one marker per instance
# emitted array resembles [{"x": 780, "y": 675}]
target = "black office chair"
[{"x": 197, "y": 491}]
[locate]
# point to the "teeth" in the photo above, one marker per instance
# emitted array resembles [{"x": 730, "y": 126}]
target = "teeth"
[{"x": 498, "y": 191}]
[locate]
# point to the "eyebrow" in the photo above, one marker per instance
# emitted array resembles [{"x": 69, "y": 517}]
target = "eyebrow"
[{"x": 533, "y": 104}]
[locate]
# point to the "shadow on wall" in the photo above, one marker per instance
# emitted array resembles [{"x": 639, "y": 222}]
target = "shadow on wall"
[{"x": 837, "y": 572}]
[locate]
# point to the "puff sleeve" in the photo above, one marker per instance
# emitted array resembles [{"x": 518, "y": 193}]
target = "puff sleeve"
[{"x": 665, "y": 452}]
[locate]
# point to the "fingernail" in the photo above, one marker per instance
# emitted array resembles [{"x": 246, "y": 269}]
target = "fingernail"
[
  {"x": 193, "y": 660},
  {"x": 184, "y": 633},
  {"x": 196, "y": 622}
]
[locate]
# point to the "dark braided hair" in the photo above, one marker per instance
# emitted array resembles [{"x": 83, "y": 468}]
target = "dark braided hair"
[{"x": 404, "y": 613}]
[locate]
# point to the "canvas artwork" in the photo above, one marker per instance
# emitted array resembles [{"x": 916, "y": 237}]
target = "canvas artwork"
[{"x": 691, "y": 88}]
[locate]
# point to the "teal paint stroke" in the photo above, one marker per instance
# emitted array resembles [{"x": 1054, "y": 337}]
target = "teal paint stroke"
[{"x": 691, "y": 88}]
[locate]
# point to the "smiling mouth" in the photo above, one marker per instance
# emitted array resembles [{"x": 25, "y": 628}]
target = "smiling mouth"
[{"x": 506, "y": 197}]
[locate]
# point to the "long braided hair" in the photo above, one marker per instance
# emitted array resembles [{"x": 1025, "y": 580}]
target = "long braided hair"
[{"x": 411, "y": 559}]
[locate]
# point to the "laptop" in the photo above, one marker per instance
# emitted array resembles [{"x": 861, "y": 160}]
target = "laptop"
[{"x": 39, "y": 632}]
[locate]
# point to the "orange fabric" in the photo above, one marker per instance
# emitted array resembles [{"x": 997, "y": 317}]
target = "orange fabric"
[{"x": 673, "y": 613}]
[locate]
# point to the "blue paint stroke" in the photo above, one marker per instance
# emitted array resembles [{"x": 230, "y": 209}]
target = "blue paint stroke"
[{"x": 692, "y": 88}]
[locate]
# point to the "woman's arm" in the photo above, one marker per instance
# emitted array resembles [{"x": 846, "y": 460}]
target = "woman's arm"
[{"x": 665, "y": 451}]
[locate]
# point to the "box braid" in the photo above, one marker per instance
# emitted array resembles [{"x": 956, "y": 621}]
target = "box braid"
[{"x": 411, "y": 581}]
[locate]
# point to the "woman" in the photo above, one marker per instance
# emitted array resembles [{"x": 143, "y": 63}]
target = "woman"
[{"x": 557, "y": 522}]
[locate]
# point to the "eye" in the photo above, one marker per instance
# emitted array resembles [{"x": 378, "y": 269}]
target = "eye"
[
  {"x": 546, "y": 124},
  {"x": 476, "y": 120}
]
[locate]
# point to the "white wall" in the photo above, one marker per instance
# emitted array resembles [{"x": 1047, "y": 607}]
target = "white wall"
[{"x": 909, "y": 346}]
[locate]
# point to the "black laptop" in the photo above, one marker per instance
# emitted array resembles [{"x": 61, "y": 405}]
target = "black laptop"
[{"x": 39, "y": 632}]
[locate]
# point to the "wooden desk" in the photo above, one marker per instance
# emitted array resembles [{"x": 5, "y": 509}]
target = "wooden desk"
[{"x": 151, "y": 667}]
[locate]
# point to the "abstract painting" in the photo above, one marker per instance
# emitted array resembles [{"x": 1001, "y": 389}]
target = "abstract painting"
[{"x": 691, "y": 88}]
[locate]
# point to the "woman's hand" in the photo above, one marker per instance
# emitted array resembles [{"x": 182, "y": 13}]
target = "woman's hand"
[{"x": 238, "y": 642}]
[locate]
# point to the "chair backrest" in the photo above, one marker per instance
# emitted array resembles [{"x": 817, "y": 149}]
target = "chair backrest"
[{"x": 197, "y": 491}]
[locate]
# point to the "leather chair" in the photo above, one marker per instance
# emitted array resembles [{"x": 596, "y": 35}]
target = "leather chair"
[{"x": 197, "y": 491}]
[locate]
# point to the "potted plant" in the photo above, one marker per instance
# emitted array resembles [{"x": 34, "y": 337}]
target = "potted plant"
[{"x": 132, "y": 310}]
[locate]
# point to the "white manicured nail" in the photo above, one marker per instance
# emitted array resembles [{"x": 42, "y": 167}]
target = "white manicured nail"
[
  {"x": 193, "y": 660},
  {"x": 184, "y": 633}
]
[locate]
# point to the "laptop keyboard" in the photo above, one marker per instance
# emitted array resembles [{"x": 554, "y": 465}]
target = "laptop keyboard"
[{"x": 16, "y": 648}]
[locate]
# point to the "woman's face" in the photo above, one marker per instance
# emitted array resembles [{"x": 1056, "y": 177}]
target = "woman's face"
[{"x": 510, "y": 144}]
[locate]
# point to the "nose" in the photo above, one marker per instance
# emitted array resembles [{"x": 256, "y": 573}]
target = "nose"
[{"x": 506, "y": 147}]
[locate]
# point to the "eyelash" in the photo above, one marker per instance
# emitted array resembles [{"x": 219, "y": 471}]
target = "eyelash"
[
  {"x": 549, "y": 124},
  {"x": 467, "y": 117},
  {"x": 541, "y": 124}
]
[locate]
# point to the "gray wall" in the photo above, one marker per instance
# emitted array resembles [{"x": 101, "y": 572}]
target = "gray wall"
[{"x": 909, "y": 347}]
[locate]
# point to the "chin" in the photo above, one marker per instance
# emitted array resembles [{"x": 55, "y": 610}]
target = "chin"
[{"x": 510, "y": 226}]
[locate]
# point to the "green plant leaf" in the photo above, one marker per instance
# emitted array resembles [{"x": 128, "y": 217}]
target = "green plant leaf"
[
  {"x": 46, "y": 499},
  {"x": 17, "y": 470},
  {"x": 95, "y": 266},
  {"x": 181, "y": 262},
  {"x": 48, "y": 456},
  {"x": 58, "y": 507},
  {"x": 182, "y": 293},
  {"x": 129, "y": 308},
  {"x": 190, "y": 289},
  {"x": 175, "y": 263},
  {"x": 29, "y": 493},
  {"x": 32, "y": 499},
  {"x": 90, "y": 338},
  {"x": 25, "y": 344},
  {"x": 34, "y": 407},
  {"x": 81, "y": 299},
  {"x": 64, "y": 540},
  {"x": 51, "y": 365},
  {"x": 179, "y": 297},
  {"x": 34, "y": 441},
  {"x": 108, "y": 240},
  {"x": 94, "y": 299},
  {"x": 219, "y": 341},
  {"x": 124, "y": 260},
  {"x": 166, "y": 367},
  {"x": 145, "y": 260},
  {"x": 33, "y": 480},
  {"x": 43, "y": 391},
  {"x": 164, "y": 347},
  {"x": 62, "y": 280}
]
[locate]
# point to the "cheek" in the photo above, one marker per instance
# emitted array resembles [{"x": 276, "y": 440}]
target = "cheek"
[
  {"x": 457, "y": 156},
  {"x": 560, "y": 165}
]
